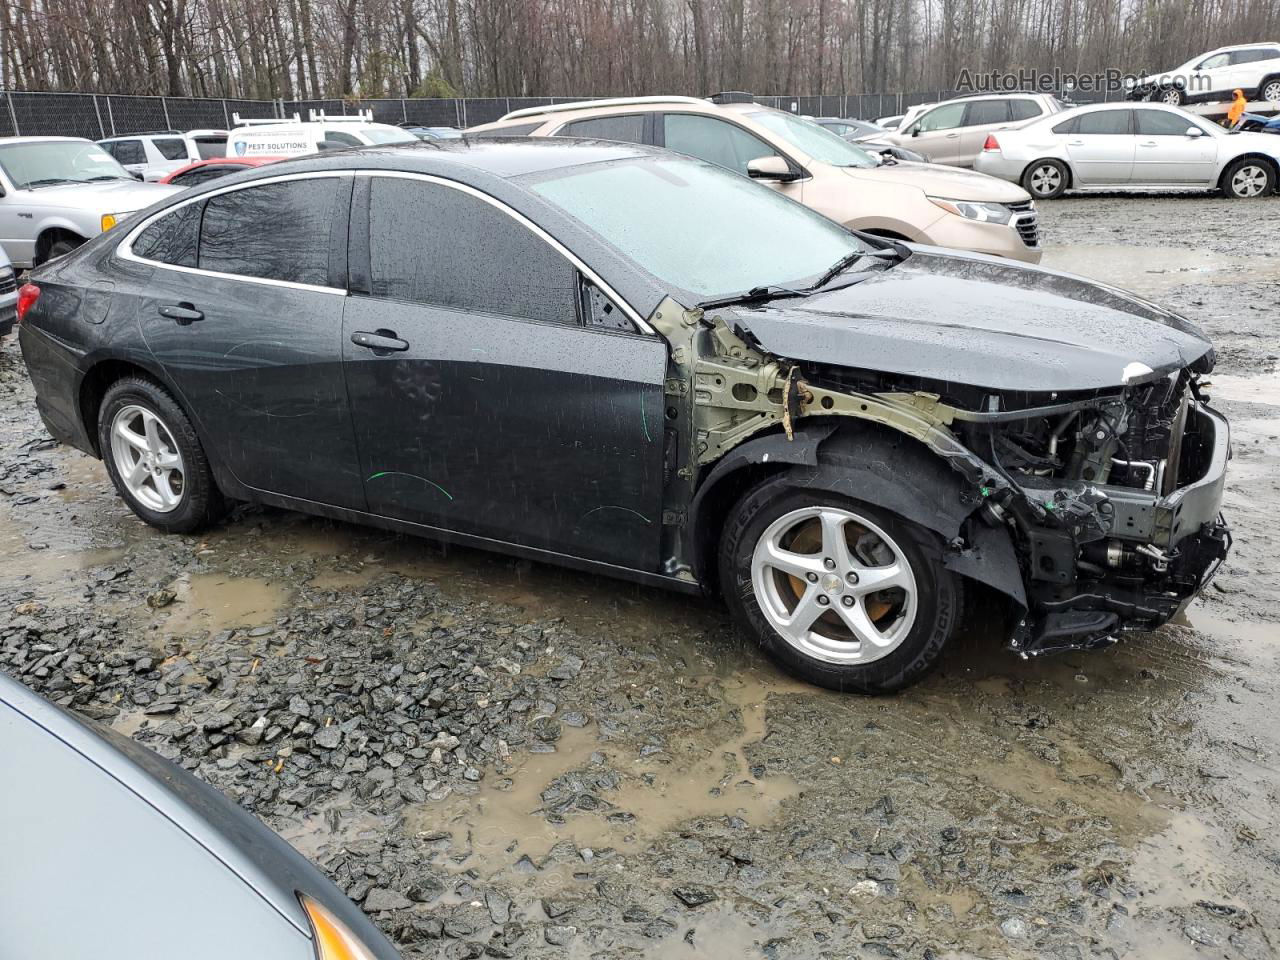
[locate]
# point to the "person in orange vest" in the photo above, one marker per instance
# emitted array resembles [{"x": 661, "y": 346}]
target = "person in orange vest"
[{"x": 1237, "y": 109}]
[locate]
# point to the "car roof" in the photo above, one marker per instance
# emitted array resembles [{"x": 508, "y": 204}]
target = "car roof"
[{"x": 4, "y": 140}]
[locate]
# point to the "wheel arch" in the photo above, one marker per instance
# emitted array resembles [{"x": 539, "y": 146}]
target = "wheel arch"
[
  {"x": 1066, "y": 165},
  {"x": 49, "y": 234},
  {"x": 98, "y": 380},
  {"x": 873, "y": 463},
  {"x": 1255, "y": 155}
]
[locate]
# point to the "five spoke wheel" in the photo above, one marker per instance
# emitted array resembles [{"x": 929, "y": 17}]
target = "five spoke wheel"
[
  {"x": 834, "y": 585},
  {"x": 147, "y": 458}
]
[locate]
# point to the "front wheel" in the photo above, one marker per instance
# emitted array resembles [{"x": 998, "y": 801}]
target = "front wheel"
[
  {"x": 155, "y": 459},
  {"x": 1045, "y": 179},
  {"x": 843, "y": 594},
  {"x": 1248, "y": 178},
  {"x": 1171, "y": 96}
]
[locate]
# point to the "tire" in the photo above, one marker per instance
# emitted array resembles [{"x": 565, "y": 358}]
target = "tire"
[
  {"x": 1270, "y": 90},
  {"x": 913, "y": 621},
  {"x": 1172, "y": 96},
  {"x": 178, "y": 498},
  {"x": 60, "y": 248},
  {"x": 1247, "y": 179},
  {"x": 1046, "y": 179}
]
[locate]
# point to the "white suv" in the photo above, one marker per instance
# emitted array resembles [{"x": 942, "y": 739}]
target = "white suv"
[
  {"x": 155, "y": 155},
  {"x": 1251, "y": 67},
  {"x": 953, "y": 131}
]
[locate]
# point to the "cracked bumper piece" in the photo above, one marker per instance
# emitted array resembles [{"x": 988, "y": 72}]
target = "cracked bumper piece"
[{"x": 1162, "y": 552}]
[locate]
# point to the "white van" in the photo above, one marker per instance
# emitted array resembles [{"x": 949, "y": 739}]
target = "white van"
[{"x": 295, "y": 138}]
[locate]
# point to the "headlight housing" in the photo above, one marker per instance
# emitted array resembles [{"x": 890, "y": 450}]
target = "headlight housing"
[
  {"x": 974, "y": 210},
  {"x": 332, "y": 939},
  {"x": 109, "y": 220}
]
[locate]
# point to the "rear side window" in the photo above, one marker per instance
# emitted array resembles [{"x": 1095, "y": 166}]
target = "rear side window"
[
  {"x": 435, "y": 245},
  {"x": 277, "y": 231},
  {"x": 1105, "y": 122},
  {"x": 209, "y": 147},
  {"x": 515, "y": 130},
  {"x": 982, "y": 112},
  {"x": 346, "y": 139},
  {"x": 1023, "y": 109},
  {"x": 171, "y": 148},
  {"x": 716, "y": 141},
  {"x": 129, "y": 151},
  {"x": 173, "y": 238},
  {"x": 1066, "y": 126},
  {"x": 628, "y": 128}
]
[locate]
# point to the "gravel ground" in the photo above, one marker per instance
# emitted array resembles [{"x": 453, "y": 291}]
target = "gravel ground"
[{"x": 501, "y": 759}]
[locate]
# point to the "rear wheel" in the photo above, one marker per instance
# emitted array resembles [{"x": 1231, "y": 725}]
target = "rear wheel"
[
  {"x": 1045, "y": 179},
  {"x": 841, "y": 593},
  {"x": 155, "y": 459},
  {"x": 1271, "y": 90},
  {"x": 1248, "y": 178}
]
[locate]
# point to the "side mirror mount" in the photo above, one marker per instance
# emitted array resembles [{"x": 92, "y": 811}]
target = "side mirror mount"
[
  {"x": 1194, "y": 132},
  {"x": 772, "y": 167}
]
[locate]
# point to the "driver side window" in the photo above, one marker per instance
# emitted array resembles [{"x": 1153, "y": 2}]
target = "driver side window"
[
  {"x": 945, "y": 117},
  {"x": 713, "y": 140},
  {"x": 1216, "y": 62}
]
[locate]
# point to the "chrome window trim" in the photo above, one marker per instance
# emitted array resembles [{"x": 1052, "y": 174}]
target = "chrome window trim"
[
  {"x": 124, "y": 249},
  {"x": 520, "y": 218}
]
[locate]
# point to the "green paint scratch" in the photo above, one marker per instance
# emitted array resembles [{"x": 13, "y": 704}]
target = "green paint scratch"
[{"x": 397, "y": 473}]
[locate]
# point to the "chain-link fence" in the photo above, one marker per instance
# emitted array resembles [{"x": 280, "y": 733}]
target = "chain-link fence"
[{"x": 96, "y": 116}]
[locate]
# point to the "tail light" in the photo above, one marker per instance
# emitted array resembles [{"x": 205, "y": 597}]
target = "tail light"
[
  {"x": 28, "y": 294},
  {"x": 991, "y": 143}
]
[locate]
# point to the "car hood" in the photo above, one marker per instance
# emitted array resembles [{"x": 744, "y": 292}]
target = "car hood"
[
  {"x": 984, "y": 322},
  {"x": 110, "y": 196},
  {"x": 939, "y": 180}
]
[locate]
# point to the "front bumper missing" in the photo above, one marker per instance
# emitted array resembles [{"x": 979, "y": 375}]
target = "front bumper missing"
[{"x": 1182, "y": 537}]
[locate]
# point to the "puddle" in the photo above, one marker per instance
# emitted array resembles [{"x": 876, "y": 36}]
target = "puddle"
[
  {"x": 209, "y": 601},
  {"x": 690, "y": 778},
  {"x": 35, "y": 559},
  {"x": 1147, "y": 270}
]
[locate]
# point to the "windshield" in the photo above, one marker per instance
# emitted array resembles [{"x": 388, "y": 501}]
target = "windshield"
[
  {"x": 46, "y": 162},
  {"x": 817, "y": 142},
  {"x": 700, "y": 228},
  {"x": 387, "y": 135}
]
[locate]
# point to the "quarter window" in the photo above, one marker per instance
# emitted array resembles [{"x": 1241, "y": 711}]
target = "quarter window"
[
  {"x": 628, "y": 128},
  {"x": 277, "y": 231},
  {"x": 716, "y": 141},
  {"x": 171, "y": 148},
  {"x": 173, "y": 238},
  {"x": 436, "y": 245},
  {"x": 346, "y": 139}
]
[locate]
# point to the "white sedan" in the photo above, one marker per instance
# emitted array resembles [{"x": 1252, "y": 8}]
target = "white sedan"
[{"x": 1130, "y": 146}]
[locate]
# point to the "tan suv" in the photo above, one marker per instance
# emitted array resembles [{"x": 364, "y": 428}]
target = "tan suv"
[
  {"x": 954, "y": 131},
  {"x": 924, "y": 203}
]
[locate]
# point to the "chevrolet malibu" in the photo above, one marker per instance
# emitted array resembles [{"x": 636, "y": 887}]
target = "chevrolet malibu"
[{"x": 644, "y": 366}]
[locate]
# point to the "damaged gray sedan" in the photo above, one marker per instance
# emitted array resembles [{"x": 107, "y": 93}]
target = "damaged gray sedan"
[{"x": 637, "y": 364}]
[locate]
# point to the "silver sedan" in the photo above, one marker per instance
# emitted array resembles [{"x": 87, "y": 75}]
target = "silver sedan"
[
  {"x": 110, "y": 851},
  {"x": 1126, "y": 146}
]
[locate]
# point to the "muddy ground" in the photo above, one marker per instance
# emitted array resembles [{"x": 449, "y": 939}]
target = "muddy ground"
[{"x": 503, "y": 759}]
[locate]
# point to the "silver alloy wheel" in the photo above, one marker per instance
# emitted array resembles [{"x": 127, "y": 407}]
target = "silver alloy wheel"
[
  {"x": 1249, "y": 181},
  {"x": 1172, "y": 97},
  {"x": 1271, "y": 92},
  {"x": 834, "y": 585},
  {"x": 1045, "y": 179},
  {"x": 147, "y": 459}
]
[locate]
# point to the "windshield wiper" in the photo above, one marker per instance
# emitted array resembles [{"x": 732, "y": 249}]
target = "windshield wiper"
[
  {"x": 754, "y": 295},
  {"x": 46, "y": 182},
  {"x": 897, "y": 252},
  {"x": 105, "y": 176}
]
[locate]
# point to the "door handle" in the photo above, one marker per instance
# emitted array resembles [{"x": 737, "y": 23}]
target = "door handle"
[
  {"x": 184, "y": 313},
  {"x": 1149, "y": 143},
  {"x": 379, "y": 340},
  {"x": 1075, "y": 143},
  {"x": 953, "y": 136}
]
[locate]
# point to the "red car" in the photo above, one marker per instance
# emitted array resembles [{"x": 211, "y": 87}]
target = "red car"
[{"x": 202, "y": 171}]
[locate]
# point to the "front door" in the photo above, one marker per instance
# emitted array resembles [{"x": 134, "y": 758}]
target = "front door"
[
  {"x": 249, "y": 330},
  {"x": 1101, "y": 147},
  {"x": 1166, "y": 155},
  {"x": 485, "y": 400},
  {"x": 937, "y": 134}
]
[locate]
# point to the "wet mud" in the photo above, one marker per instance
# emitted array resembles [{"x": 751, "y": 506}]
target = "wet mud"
[{"x": 502, "y": 759}]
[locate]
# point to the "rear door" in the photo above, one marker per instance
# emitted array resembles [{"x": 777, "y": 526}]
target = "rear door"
[
  {"x": 497, "y": 392},
  {"x": 623, "y": 127},
  {"x": 1100, "y": 147},
  {"x": 1166, "y": 155},
  {"x": 246, "y": 322},
  {"x": 981, "y": 117}
]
